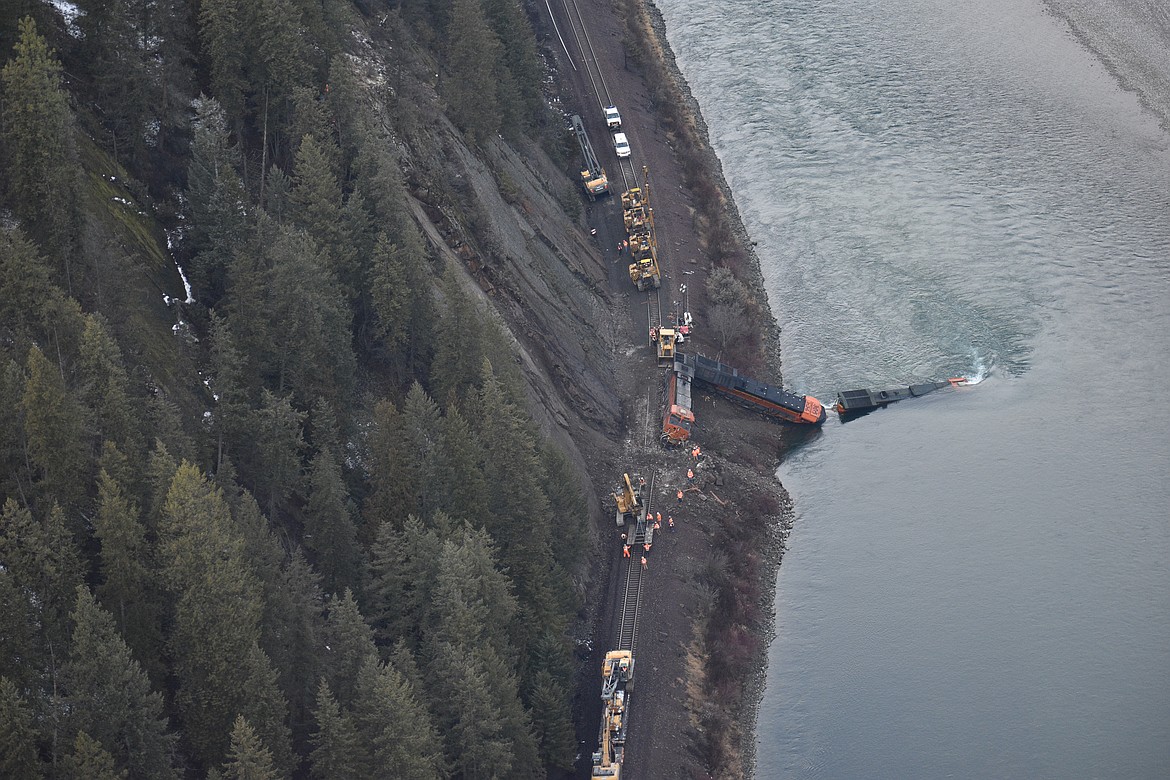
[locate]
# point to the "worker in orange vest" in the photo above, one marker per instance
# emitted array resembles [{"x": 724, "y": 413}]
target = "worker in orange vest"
[
  {"x": 690, "y": 475},
  {"x": 657, "y": 517},
  {"x": 670, "y": 521},
  {"x": 646, "y": 547},
  {"x": 657, "y": 525},
  {"x": 625, "y": 551},
  {"x": 643, "y": 561}
]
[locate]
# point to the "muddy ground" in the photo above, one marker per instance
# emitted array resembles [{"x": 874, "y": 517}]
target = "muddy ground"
[{"x": 709, "y": 584}]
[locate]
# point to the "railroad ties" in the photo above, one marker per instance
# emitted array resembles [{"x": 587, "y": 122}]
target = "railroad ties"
[{"x": 617, "y": 671}]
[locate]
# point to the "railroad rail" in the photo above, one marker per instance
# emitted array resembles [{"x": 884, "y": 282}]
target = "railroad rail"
[
  {"x": 653, "y": 312},
  {"x": 642, "y": 533},
  {"x": 587, "y": 56}
]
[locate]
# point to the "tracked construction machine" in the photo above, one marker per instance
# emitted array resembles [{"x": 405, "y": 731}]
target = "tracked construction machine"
[
  {"x": 631, "y": 500},
  {"x": 593, "y": 177},
  {"x": 639, "y": 221}
]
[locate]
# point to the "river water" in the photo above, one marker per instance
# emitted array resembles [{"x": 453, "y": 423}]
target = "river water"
[{"x": 978, "y": 582}]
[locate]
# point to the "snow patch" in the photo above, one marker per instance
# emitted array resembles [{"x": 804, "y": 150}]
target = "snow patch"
[
  {"x": 70, "y": 13},
  {"x": 186, "y": 284}
]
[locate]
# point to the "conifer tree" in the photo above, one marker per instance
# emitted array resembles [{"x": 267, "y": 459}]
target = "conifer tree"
[
  {"x": 105, "y": 390},
  {"x": 44, "y": 568},
  {"x": 277, "y": 429},
  {"x": 248, "y": 758},
  {"x": 549, "y": 705},
  {"x": 520, "y": 77},
  {"x": 329, "y": 527},
  {"x": 109, "y": 696},
  {"x": 220, "y": 22},
  {"x": 420, "y": 427},
  {"x": 390, "y": 293},
  {"x": 311, "y": 323},
  {"x": 220, "y": 669},
  {"x": 387, "y": 454},
  {"x": 403, "y": 568},
  {"x": 473, "y": 56},
  {"x": 90, "y": 761},
  {"x": 128, "y": 575},
  {"x": 52, "y": 424},
  {"x": 232, "y": 390},
  {"x": 459, "y": 344},
  {"x": 14, "y": 478},
  {"x": 318, "y": 208},
  {"x": 217, "y": 200},
  {"x": 37, "y": 138},
  {"x": 338, "y": 753},
  {"x": 32, "y": 306},
  {"x": 395, "y": 726},
  {"x": 348, "y": 642},
  {"x": 18, "y": 734},
  {"x": 298, "y": 614},
  {"x": 460, "y": 485}
]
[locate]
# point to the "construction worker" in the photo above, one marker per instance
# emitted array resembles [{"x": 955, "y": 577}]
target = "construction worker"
[
  {"x": 670, "y": 522},
  {"x": 680, "y": 495},
  {"x": 625, "y": 551},
  {"x": 657, "y": 525},
  {"x": 695, "y": 452},
  {"x": 643, "y": 561},
  {"x": 657, "y": 517},
  {"x": 646, "y": 547},
  {"x": 690, "y": 475}
]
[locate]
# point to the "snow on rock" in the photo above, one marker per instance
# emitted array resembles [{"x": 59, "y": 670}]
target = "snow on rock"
[{"x": 69, "y": 12}]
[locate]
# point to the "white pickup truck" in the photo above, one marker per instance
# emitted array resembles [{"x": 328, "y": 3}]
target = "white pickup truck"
[{"x": 613, "y": 118}]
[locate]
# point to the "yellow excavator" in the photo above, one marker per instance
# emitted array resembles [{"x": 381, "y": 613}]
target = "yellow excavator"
[{"x": 630, "y": 503}]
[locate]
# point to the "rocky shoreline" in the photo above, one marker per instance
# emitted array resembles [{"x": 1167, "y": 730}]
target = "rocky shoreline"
[{"x": 678, "y": 109}]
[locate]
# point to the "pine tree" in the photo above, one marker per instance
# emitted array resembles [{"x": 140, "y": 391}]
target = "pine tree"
[
  {"x": 390, "y": 293},
  {"x": 37, "y": 135},
  {"x": 18, "y": 734},
  {"x": 459, "y": 344},
  {"x": 520, "y": 79},
  {"x": 248, "y": 758},
  {"x": 338, "y": 753},
  {"x": 14, "y": 477},
  {"x": 90, "y": 761},
  {"x": 329, "y": 528},
  {"x": 460, "y": 485},
  {"x": 312, "y": 323},
  {"x": 109, "y": 696},
  {"x": 395, "y": 726},
  {"x": 233, "y": 392},
  {"x": 41, "y": 563},
  {"x": 128, "y": 588},
  {"x": 472, "y": 62},
  {"x": 298, "y": 613},
  {"x": 32, "y": 307},
  {"x": 220, "y": 22},
  {"x": 105, "y": 390},
  {"x": 317, "y": 207},
  {"x": 403, "y": 570},
  {"x": 277, "y": 429},
  {"x": 348, "y": 642},
  {"x": 220, "y": 669},
  {"x": 420, "y": 428},
  {"x": 549, "y": 705},
  {"x": 52, "y": 424},
  {"x": 265, "y": 705},
  {"x": 390, "y": 490},
  {"x": 217, "y": 199}
]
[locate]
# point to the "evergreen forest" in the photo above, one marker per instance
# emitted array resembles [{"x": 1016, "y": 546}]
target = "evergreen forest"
[{"x": 288, "y": 518}]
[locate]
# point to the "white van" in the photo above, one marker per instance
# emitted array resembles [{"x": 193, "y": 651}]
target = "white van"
[{"x": 621, "y": 145}]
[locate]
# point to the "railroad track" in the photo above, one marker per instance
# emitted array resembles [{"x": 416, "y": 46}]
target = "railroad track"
[
  {"x": 587, "y": 57},
  {"x": 632, "y": 594}
]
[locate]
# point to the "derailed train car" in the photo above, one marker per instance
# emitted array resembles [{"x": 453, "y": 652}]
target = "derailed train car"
[{"x": 725, "y": 380}]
